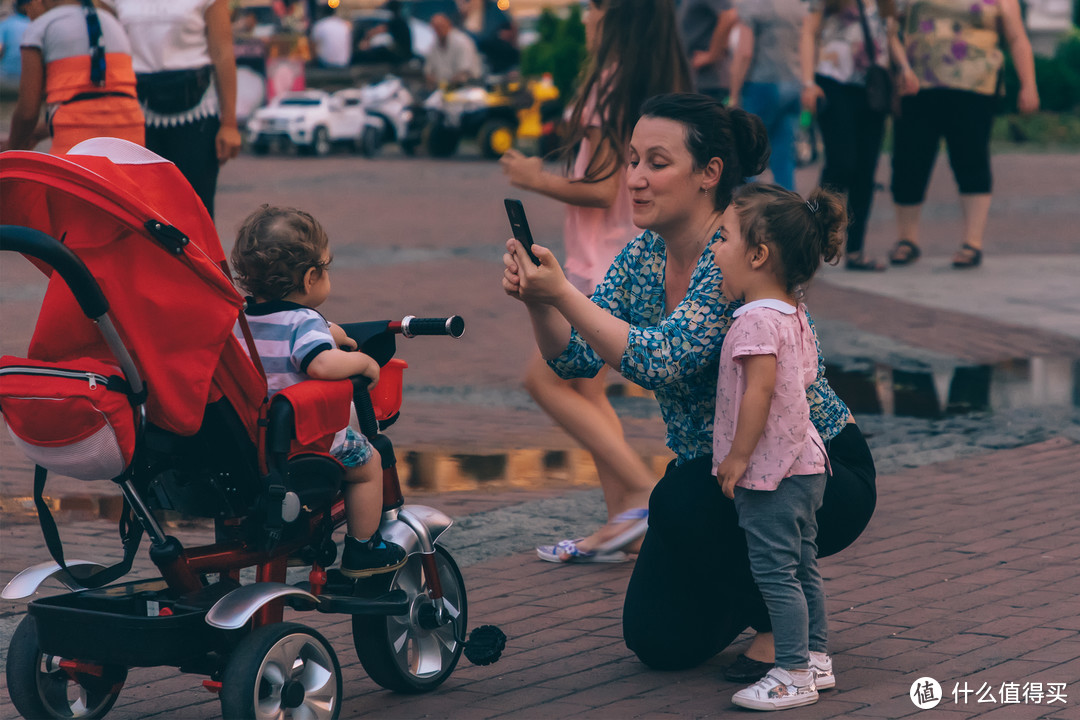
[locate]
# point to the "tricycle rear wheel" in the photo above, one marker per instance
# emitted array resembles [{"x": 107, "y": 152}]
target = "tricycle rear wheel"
[
  {"x": 41, "y": 689},
  {"x": 284, "y": 670},
  {"x": 413, "y": 653}
]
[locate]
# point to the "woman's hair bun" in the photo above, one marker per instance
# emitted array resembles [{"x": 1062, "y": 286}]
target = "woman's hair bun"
[{"x": 752, "y": 142}]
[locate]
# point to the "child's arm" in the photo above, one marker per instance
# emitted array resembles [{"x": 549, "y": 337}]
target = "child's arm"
[
  {"x": 338, "y": 364},
  {"x": 753, "y": 412},
  {"x": 528, "y": 173},
  {"x": 341, "y": 340}
]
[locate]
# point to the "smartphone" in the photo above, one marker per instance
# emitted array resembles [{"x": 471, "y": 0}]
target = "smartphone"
[{"x": 520, "y": 225}]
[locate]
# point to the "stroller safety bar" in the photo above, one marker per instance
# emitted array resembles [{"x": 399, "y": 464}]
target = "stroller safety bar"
[
  {"x": 27, "y": 582},
  {"x": 56, "y": 255},
  {"x": 410, "y": 326},
  {"x": 83, "y": 286}
]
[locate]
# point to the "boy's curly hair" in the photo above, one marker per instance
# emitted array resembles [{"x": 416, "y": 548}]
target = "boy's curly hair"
[{"x": 274, "y": 249}]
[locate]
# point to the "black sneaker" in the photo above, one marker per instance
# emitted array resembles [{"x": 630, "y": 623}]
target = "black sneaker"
[{"x": 376, "y": 556}]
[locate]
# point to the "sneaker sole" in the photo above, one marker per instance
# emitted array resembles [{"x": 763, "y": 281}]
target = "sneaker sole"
[
  {"x": 357, "y": 574},
  {"x": 825, "y": 683},
  {"x": 614, "y": 557},
  {"x": 753, "y": 704}
]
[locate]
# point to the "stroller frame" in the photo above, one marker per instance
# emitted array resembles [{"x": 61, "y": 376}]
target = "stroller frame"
[{"x": 409, "y": 626}]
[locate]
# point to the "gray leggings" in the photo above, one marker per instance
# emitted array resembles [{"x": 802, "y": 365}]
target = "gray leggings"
[
  {"x": 691, "y": 592},
  {"x": 781, "y": 529}
]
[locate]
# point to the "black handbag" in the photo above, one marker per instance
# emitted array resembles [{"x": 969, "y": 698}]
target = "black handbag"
[
  {"x": 879, "y": 82},
  {"x": 173, "y": 91}
]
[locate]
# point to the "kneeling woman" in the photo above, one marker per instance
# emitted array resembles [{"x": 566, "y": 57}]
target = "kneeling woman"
[{"x": 659, "y": 319}]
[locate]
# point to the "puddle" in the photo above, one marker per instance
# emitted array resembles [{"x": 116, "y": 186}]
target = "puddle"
[
  {"x": 938, "y": 392},
  {"x": 426, "y": 471},
  {"x": 926, "y": 390}
]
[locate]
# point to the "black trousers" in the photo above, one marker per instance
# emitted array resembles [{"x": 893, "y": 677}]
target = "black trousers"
[
  {"x": 852, "y": 134},
  {"x": 691, "y": 592},
  {"x": 192, "y": 148},
  {"x": 964, "y": 119}
]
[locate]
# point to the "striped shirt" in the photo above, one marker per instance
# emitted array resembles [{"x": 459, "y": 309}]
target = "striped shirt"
[{"x": 287, "y": 337}]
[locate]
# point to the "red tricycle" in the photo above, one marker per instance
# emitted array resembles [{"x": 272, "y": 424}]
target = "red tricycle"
[{"x": 141, "y": 377}]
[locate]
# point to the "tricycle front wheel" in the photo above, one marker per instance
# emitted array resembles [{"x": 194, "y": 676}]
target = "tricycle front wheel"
[
  {"x": 45, "y": 687},
  {"x": 415, "y": 653}
]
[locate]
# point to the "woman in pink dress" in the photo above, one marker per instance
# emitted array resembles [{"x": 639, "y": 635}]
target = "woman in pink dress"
[{"x": 634, "y": 54}]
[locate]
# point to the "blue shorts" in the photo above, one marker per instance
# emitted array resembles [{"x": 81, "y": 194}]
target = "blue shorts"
[{"x": 356, "y": 450}]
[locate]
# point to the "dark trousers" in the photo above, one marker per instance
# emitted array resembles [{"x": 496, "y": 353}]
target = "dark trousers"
[
  {"x": 964, "y": 119},
  {"x": 192, "y": 148},
  {"x": 691, "y": 592},
  {"x": 852, "y": 134}
]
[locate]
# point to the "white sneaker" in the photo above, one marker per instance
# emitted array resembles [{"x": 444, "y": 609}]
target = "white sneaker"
[
  {"x": 777, "y": 691},
  {"x": 821, "y": 664}
]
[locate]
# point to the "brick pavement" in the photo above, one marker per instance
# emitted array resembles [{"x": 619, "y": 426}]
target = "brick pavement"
[
  {"x": 967, "y": 574},
  {"x": 959, "y": 575}
]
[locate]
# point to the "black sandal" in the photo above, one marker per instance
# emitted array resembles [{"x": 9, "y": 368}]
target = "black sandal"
[
  {"x": 904, "y": 252},
  {"x": 968, "y": 257},
  {"x": 856, "y": 261}
]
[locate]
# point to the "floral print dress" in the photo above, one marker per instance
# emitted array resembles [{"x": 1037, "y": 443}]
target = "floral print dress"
[
  {"x": 954, "y": 44},
  {"x": 676, "y": 352},
  {"x": 843, "y": 56}
]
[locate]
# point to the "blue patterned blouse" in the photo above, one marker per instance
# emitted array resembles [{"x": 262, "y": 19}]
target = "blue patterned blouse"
[{"x": 677, "y": 355}]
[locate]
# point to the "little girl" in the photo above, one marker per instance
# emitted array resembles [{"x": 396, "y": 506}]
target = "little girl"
[{"x": 767, "y": 455}]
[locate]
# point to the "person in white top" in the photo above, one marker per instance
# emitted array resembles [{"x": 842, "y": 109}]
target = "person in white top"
[
  {"x": 453, "y": 58},
  {"x": 332, "y": 37},
  {"x": 183, "y": 57}
]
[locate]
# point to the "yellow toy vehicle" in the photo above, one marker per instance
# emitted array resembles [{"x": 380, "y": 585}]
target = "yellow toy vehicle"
[{"x": 499, "y": 116}]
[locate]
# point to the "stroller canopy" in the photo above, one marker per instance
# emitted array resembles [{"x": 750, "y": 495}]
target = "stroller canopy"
[{"x": 172, "y": 302}]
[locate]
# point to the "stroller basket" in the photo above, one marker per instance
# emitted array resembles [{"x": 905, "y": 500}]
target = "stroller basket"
[{"x": 130, "y": 624}]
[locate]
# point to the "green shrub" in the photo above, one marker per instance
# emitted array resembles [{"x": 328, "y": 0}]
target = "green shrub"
[
  {"x": 1058, "y": 78},
  {"x": 560, "y": 49},
  {"x": 1068, "y": 50}
]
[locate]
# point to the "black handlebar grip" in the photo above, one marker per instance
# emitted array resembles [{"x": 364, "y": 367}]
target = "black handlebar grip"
[
  {"x": 454, "y": 326},
  {"x": 365, "y": 411},
  {"x": 55, "y": 254}
]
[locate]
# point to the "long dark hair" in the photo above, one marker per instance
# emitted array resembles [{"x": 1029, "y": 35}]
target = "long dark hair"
[
  {"x": 735, "y": 136},
  {"x": 639, "y": 55}
]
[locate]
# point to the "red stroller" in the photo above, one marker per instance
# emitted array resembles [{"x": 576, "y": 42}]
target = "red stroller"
[{"x": 134, "y": 374}]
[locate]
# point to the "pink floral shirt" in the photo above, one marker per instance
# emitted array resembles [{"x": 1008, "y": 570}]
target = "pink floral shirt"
[{"x": 790, "y": 445}]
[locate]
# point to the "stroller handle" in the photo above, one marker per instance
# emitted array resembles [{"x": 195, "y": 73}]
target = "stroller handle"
[{"x": 36, "y": 244}]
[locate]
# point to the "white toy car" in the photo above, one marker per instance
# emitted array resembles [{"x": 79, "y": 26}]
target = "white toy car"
[{"x": 312, "y": 120}]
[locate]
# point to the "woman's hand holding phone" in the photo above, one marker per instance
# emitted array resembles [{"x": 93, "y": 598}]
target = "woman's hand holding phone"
[{"x": 543, "y": 283}]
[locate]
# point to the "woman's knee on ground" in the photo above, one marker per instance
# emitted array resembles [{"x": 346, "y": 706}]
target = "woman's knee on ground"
[{"x": 660, "y": 649}]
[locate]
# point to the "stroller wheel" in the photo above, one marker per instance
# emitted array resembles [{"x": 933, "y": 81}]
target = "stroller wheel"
[
  {"x": 415, "y": 653},
  {"x": 41, "y": 688},
  {"x": 284, "y": 670}
]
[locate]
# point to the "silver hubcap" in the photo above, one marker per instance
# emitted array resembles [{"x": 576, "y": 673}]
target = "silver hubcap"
[
  {"x": 418, "y": 651},
  {"x": 296, "y": 660},
  {"x": 62, "y": 695}
]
